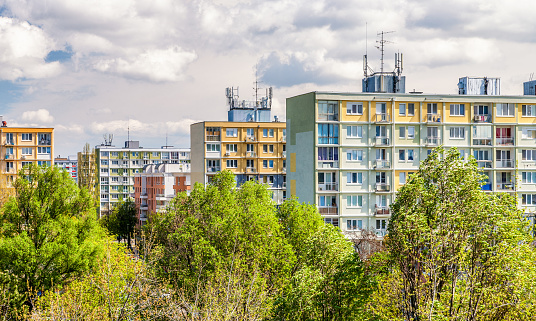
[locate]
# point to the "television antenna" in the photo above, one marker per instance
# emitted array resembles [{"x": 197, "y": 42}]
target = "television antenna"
[{"x": 381, "y": 44}]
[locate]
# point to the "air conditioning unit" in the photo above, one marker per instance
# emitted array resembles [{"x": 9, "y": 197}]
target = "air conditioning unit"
[{"x": 227, "y": 153}]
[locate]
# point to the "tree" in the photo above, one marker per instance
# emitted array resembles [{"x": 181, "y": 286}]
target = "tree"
[
  {"x": 87, "y": 167},
  {"x": 454, "y": 251},
  {"x": 225, "y": 239},
  {"x": 48, "y": 234},
  {"x": 122, "y": 221}
]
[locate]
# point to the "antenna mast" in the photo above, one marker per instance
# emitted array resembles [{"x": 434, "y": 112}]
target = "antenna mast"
[{"x": 381, "y": 45}]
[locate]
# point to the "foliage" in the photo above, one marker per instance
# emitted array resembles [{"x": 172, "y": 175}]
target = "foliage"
[
  {"x": 48, "y": 235},
  {"x": 202, "y": 238},
  {"x": 331, "y": 284},
  {"x": 122, "y": 221},
  {"x": 454, "y": 251},
  {"x": 119, "y": 288}
]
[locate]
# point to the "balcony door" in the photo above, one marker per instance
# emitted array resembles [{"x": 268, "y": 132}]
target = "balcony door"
[
  {"x": 381, "y": 154},
  {"x": 381, "y": 108},
  {"x": 381, "y": 178},
  {"x": 432, "y": 132}
]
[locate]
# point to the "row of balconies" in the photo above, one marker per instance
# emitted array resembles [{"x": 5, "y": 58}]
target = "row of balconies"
[
  {"x": 428, "y": 118},
  {"x": 254, "y": 154},
  {"x": 334, "y": 210},
  {"x": 248, "y": 170},
  {"x": 217, "y": 138}
]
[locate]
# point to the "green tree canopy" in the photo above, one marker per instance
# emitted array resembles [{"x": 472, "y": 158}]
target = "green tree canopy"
[
  {"x": 48, "y": 234},
  {"x": 454, "y": 251},
  {"x": 122, "y": 221}
]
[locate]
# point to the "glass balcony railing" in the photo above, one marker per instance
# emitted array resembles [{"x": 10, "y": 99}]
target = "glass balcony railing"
[
  {"x": 381, "y": 141},
  {"x": 433, "y": 141},
  {"x": 383, "y": 187},
  {"x": 482, "y": 119},
  {"x": 328, "y": 187},
  {"x": 482, "y": 141},
  {"x": 330, "y": 210},
  {"x": 504, "y": 141},
  {"x": 213, "y": 169},
  {"x": 382, "y": 164},
  {"x": 328, "y": 164},
  {"x": 483, "y": 163},
  {"x": 505, "y": 163}
]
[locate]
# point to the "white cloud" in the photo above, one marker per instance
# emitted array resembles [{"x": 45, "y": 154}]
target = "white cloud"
[
  {"x": 39, "y": 116},
  {"x": 144, "y": 129},
  {"x": 23, "y": 48},
  {"x": 156, "y": 65},
  {"x": 69, "y": 129}
]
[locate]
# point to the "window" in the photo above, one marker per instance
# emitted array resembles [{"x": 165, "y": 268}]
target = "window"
[
  {"x": 354, "y": 201},
  {"x": 402, "y": 133},
  {"x": 528, "y": 154},
  {"x": 411, "y": 132},
  {"x": 354, "y": 108},
  {"x": 505, "y": 110},
  {"x": 328, "y": 110},
  {"x": 528, "y": 133},
  {"x": 115, "y": 171},
  {"x": 104, "y": 170},
  {"x": 155, "y": 154},
  {"x": 115, "y": 180},
  {"x": 249, "y": 147},
  {"x": 104, "y": 154},
  {"x": 354, "y": 225},
  {"x": 328, "y": 133},
  {"x": 328, "y": 153},
  {"x": 332, "y": 221},
  {"x": 271, "y": 148},
  {"x": 528, "y": 110},
  {"x": 114, "y": 162},
  {"x": 410, "y": 154},
  {"x": 402, "y": 177},
  {"x": 232, "y": 163},
  {"x": 268, "y": 132},
  {"x": 528, "y": 199},
  {"x": 269, "y": 179},
  {"x": 327, "y": 201},
  {"x": 431, "y": 108},
  {"x": 250, "y": 163},
  {"x": 24, "y": 164},
  {"x": 354, "y": 131},
  {"x": 265, "y": 132},
  {"x": 104, "y": 180},
  {"x": 528, "y": 177},
  {"x": 231, "y": 132},
  {"x": 411, "y": 109},
  {"x": 27, "y": 151},
  {"x": 457, "y": 109},
  {"x": 265, "y": 148},
  {"x": 354, "y": 178},
  {"x": 402, "y": 109},
  {"x": 271, "y": 132},
  {"x": 268, "y": 163},
  {"x": 354, "y": 155},
  {"x": 43, "y": 150},
  {"x": 213, "y": 147},
  {"x": 457, "y": 132},
  {"x": 250, "y": 133},
  {"x": 402, "y": 155},
  {"x": 231, "y": 148},
  {"x": 26, "y": 136},
  {"x": 137, "y": 154}
]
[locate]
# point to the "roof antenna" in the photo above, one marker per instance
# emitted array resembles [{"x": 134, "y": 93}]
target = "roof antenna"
[
  {"x": 128, "y": 129},
  {"x": 381, "y": 45}
]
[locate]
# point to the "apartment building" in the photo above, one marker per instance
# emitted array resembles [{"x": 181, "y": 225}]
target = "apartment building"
[
  {"x": 251, "y": 150},
  {"x": 117, "y": 166},
  {"x": 157, "y": 185},
  {"x": 350, "y": 152},
  {"x": 69, "y": 164},
  {"x": 22, "y": 146}
]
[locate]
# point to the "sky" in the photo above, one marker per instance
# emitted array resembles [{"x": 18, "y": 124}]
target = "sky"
[{"x": 95, "y": 67}]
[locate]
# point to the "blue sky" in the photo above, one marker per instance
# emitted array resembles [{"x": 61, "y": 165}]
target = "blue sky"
[{"x": 92, "y": 68}]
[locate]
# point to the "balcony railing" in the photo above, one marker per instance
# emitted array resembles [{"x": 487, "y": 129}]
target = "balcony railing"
[
  {"x": 482, "y": 118},
  {"x": 381, "y": 210},
  {"x": 380, "y": 164},
  {"x": 432, "y": 118},
  {"x": 10, "y": 171},
  {"x": 381, "y": 141},
  {"x": 482, "y": 141},
  {"x": 284, "y": 139},
  {"x": 505, "y": 186},
  {"x": 284, "y": 170},
  {"x": 381, "y": 232},
  {"x": 251, "y": 154},
  {"x": 10, "y": 156},
  {"x": 382, "y": 118},
  {"x": 284, "y": 185},
  {"x": 251, "y": 170},
  {"x": 505, "y": 163},
  {"x": 213, "y": 138},
  {"x": 9, "y": 142},
  {"x": 250, "y": 138},
  {"x": 433, "y": 141},
  {"x": 330, "y": 210},
  {"x": 328, "y": 187},
  {"x": 333, "y": 117},
  {"x": 328, "y": 164},
  {"x": 383, "y": 187},
  {"x": 504, "y": 141},
  {"x": 483, "y": 163},
  {"x": 44, "y": 142},
  {"x": 284, "y": 154},
  {"x": 213, "y": 169}
]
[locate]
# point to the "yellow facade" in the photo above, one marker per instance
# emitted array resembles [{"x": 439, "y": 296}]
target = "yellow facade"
[
  {"x": 22, "y": 146},
  {"x": 454, "y": 118},
  {"x": 407, "y": 118},
  {"x": 354, "y": 118}
]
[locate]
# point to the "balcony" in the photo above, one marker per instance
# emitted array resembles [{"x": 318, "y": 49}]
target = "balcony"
[
  {"x": 251, "y": 170},
  {"x": 381, "y": 141},
  {"x": 284, "y": 139},
  {"x": 486, "y": 187},
  {"x": 381, "y": 232},
  {"x": 284, "y": 170},
  {"x": 144, "y": 207},
  {"x": 10, "y": 156},
  {"x": 213, "y": 138},
  {"x": 250, "y": 138},
  {"x": 381, "y": 210},
  {"x": 284, "y": 185},
  {"x": 504, "y": 163},
  {"x": 505, "y": 186},
  {"x": 213, "y": 169},
  {"x": 328, "y": 187},
  {"x": 284, "y": 154},
  {"x": 504, "y": 141},
  {"x": 432, "y": 141},
  {"x": 143, "y": 196},
  {"x": 482, "y": 119},
  {"x": 432, "y": 118},
  {"x": 44, "y": 142},
  {"x": 382, "y": 118},
  {"x": 483, "y": 163},
  {"x": 383, "y": 187},
  {"x": 330, "y": 210},
  {"x": 251, "y": 154},
  {"x": 9, "y": 142},
  {"x": 10, "y": 171},
  {"x": 482, "y": 142},
  {"x": 329, "y": 117},
  {"x": 328, "y": 164},
  {"x": 382, "y": 164}
]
